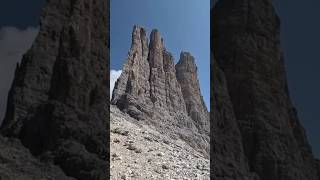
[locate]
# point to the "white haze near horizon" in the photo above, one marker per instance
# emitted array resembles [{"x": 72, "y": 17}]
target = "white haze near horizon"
[{"x": 114, "y": 75}]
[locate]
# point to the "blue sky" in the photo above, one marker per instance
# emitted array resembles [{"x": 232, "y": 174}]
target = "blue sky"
[{"x": 184, "y": 25}]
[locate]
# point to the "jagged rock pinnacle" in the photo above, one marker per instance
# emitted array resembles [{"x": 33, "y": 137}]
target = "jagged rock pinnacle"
[
  {"x": 148, "y": 89},
  {"x": 187, "y": 75}
]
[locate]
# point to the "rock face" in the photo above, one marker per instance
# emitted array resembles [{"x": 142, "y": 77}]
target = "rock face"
[
  {"x": 186, "y": 71},
  {"x": 227, "y": 158},
  {"x": 127, "y": 92},
  {"x": 318, "y": 166},
  {"x": 149, "y": 90},
  {"x": 17, "y": 163},
  {"x": 246, "y": 45},
  {"x": 58, "y": 102},
  {"x": 148, "y": 83}
]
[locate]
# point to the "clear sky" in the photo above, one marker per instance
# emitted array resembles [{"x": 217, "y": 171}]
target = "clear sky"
[{"x": 184, "y": 25}]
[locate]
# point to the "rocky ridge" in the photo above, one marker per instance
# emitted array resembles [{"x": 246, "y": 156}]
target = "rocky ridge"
[
  {"x": 150, "y": 90},
  {"x": 186, "y": 71},
  {"x": 251, "y": 96},
  {"x": 58, "y": 103}
]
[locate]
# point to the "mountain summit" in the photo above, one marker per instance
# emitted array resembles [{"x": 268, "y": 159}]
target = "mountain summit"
[{"x": 154, "y": 90}]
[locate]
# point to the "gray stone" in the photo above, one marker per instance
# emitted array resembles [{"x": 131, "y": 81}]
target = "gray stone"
[
  {"x": 246, "y": 42},
  {"x": 187, "y": 75},
  {"x": 130, "y": 90},
  {"x": 58, "y": 101},
  {"x": 17, "y": 163},
  {"x": 227, "y": 159},
  {"x": 148, "y": 90},
  {"x": 176, "y": 154}
]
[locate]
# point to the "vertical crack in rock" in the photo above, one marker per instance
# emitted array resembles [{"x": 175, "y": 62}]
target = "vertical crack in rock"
[
  {"x": 148, "y": 90},
  {"x": 246, "y": 41},
  {"x": 58, "y": 102},
  {"x": 174, "y": 97},
  {"x": 157, "y": 74}
]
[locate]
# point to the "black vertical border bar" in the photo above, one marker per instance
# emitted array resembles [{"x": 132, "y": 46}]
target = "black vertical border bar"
[
  {"x": 212, "y": 3},
  {"x": 108, "y": 89}
]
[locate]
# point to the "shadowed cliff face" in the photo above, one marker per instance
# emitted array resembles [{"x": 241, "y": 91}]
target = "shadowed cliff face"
[
  {"x": 58, "y": 102},
  {"x": 246, "y": 45},
  {"x": 227, "y": 157},
  {"x": 151, "y": 88}
]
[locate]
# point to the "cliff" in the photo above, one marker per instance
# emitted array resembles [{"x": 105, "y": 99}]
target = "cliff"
[
  {"x": 58, "y": 103},
  {"x": 246, "y": 45},
  {"x": 152, "y": 89}
]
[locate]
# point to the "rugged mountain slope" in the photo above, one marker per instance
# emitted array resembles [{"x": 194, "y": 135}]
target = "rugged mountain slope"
[
  {"x": 17, "y": 163},
  {"x": 58, "y": 102},
  {"x": 138, "y": 151},
  {"x": 149, "y": 90},
  {"x": 246, "y": 44}
]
